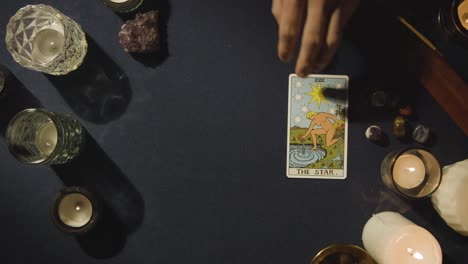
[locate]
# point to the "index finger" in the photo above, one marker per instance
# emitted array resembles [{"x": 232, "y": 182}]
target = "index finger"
[{"x": 312, "y": 36}]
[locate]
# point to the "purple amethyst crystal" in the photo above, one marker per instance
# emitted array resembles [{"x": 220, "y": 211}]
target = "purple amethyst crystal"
[{"x": 141, "y": 35}]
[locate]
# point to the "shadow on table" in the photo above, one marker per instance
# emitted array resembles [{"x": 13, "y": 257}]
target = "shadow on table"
[
  {"x": 98, "y": 91},
  {"x": 164, "y": 8},
  {"x": 399, "y": 91},
  {"x": 123, "y": 206},
  {"x": 13, "y": 99}
]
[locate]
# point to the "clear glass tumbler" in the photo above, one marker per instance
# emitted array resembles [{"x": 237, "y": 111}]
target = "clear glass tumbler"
[
  {"x": 41, "y": 38},
  {"x": 36, "y": 136},
  {"x": 413, "y": 173}
]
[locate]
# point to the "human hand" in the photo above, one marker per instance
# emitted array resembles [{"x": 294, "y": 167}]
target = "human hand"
[{"x": 321, "y": 31}]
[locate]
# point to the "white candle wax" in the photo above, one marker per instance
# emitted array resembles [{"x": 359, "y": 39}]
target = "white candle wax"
[
  {"x": 408, "y": 171},
  {"x": 390, "y": 238},
  {"x": 75, "y": 210},
  {"x": 46, "y": 138},
  {"x": 47, "y": 44},
  {"x": 451, "y": 199},
  {"x": 119, "y": 1}
]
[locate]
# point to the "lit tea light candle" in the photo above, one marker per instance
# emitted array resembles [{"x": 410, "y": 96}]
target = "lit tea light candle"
[
  {"x": 391, "y": 238},
  {"x": 413, "y": 173},
  {"x": 74, "y": 210},
  {"x": 47, "y": 44},
  {"x": 408, "y": 171},
  {"x": 123, "y": 6},
  {"x": 37, "y": 136},
  {"x": 463, "y": 14},
  {"x": 46, "y": 138}
]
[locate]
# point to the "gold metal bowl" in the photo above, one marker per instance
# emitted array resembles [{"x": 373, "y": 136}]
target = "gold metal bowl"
[{"x": 343, "y": 254}]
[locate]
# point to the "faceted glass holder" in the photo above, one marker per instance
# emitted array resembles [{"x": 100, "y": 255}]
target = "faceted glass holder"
[
  {"x": 41, "y": 38},
  {"x": 37, "y": 136}
]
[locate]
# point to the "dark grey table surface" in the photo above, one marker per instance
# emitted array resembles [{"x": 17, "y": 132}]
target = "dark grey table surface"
[{"x": 190, "y": 153}]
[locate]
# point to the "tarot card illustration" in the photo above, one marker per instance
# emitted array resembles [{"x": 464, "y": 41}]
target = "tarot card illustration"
[{"x": 317, "y": 126}]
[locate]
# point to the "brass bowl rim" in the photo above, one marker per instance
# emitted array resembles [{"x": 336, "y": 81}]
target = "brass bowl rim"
[{"x": 324, "y": 252}]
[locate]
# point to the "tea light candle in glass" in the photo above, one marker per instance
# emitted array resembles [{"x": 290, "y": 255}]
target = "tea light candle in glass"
[
  {"x": 412, "y": 173},
  {"x": 41, "y": 38},
  {"x": 123, "y": 6},
  {"x": 453, "y": 18},
  {"x": 75, "y": 210},
  {"x": 36, "y": 136}
]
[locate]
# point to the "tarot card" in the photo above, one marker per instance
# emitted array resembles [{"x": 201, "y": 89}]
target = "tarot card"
[{"x": 317, "y": 126}]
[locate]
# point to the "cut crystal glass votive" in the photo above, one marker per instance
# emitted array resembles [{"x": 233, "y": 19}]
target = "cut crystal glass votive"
[{"x": 41, "y": 38}]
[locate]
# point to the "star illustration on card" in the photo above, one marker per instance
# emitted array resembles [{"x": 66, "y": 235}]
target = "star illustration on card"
[
  {"x": 339, "y": 86},
  {"x": 297, "y": 119},
  {"x": 317, "y": 95},
  {"x": 304, "y": 109},
  {"x": 299, "y": 84},
  {"x": 298, "y": 97}
]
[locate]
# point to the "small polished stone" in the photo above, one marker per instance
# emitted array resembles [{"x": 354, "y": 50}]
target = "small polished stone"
[
  {"x": 399, "y": 127},
  {"x": 374, "y": 133},
  {"x": 406, "y": 110},
  {"x": 421, "y": 134}
]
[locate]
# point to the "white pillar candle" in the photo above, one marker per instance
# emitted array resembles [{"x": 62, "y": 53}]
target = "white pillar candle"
[
  {"x": 451, "y": 199},
  {"x": 47, "y": 44},
  {"x": 46, "y": 138},
  {"x": 75, "y": 210},
  {"x": 392, "y": 239},
  {"x": 408, "y": 171}
]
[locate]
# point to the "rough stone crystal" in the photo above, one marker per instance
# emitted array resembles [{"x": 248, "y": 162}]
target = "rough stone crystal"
[{"x": 141, "y": 35}]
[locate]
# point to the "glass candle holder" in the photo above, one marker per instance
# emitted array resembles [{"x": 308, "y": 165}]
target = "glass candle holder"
[
  {"x": 413, "y": 173},
  {"x": 41, "y": 38},
  {"x": 453, "y": 18},
  {"x": 36, "y": 136},
  {"x": 3, "y": 76},
  {"x": 75, "y": 210},
  {"x": 345, "y": 254},
  {"x": 123, "y": 6}
]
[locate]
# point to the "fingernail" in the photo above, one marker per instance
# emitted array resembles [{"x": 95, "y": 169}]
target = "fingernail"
[{"x": 302, "y": 73}]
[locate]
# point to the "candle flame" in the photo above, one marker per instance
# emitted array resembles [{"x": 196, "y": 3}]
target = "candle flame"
[
  {"x": 415, "y": 254},
  {"x": 412, "y": 169},
  {"x": 77, "y": 208}
]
